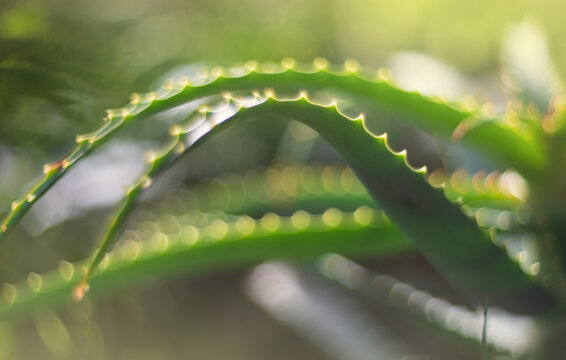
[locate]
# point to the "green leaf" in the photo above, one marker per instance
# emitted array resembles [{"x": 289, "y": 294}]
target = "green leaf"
[
  {"x": 236, "y": 243},
  {"x": 502, "y": 144},
  {"x": 436, "y": 226}
]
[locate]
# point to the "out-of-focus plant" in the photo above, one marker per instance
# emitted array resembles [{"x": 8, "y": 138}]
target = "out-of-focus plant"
[
  {"x": 495, "y": 235},
  {"x": 463, "y": 224}
]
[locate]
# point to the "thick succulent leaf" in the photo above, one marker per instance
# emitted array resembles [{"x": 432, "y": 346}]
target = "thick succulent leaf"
[
  {"x": 506, "y": 332},
  {"x": 330, "y": 318},
  {"x": 236, "y": 243},
  {"x": 286, "y": 187},
  {"x": 289, "y": 188},
  {"x": 281, "y": 188},
  {"x": 436, "y": 226},
  {"x": 503, "y": 145},
  {"x": 471, "y": 125}
]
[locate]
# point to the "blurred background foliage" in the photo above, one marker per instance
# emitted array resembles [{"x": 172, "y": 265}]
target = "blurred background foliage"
[{"x": 62, "y": 63}]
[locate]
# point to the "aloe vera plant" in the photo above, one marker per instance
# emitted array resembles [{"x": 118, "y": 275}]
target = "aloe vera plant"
[{"x": 495, "y": 237}]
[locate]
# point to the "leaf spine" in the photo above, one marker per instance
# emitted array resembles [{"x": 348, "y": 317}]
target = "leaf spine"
[
  {"x": 9, "y": 292},
  {"x": 245, "y": 225},
  {"x": 217, "y": 229},
  {"x": 288, "y": 63},
  {"x": 135, "y": 99},
  {"x": 363, "y": 215},
  {"x": 49, "y": 168},
  {"x": 383, "y": 74},
  {"x": 270, "y": 222},
  {"x": 301, "y": 219},
  {"x": 217, "y": 71},
  {"x": 251, "y": 65},
  {"x": 351, "y": 66},
  {"x": 320, "y": 63},
  {"x": 66, "y": 270},
  {"x": 34, "y": 281},
  {"x": 332, "y": 217},
  {"x": 146, "y": 182}
]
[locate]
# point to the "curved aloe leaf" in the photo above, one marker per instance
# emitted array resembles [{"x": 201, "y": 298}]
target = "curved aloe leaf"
[
  {"x": 436, "y": 226},
  {"x": 314, "y": 188},
  {"x": 502, "y": 144},
  {"x": 237, "y": 243},
  {"x": 281, "y": 188},
  {"x": 458, "y": 186},
  {"x": 506, "y": 333}
]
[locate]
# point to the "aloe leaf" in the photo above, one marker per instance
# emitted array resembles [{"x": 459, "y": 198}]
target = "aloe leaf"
[
  {"x": 436, "y": 226},
  {"x": 481, "y": 191},
  {"x": 330, "y": 319},
  {"x": 336, "y": 187},
  {"x": 282, "y": 188},
  {"x": 294, "y": 187},
  {"x": 511, "y": 149},
  {"x": 287, "y": 187},
  {"x": 506, "y": 332},
  {"x": 502, "y": 144},
  {"x": 236, "y": 243}
]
